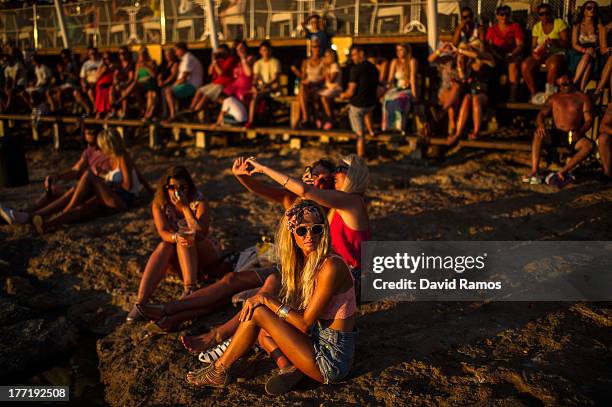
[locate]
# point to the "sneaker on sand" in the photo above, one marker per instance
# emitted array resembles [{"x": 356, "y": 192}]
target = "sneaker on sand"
[
  {"x": 7, "y": 214},
  {"x": 532, "y": 179},
  {"x": 555, "y": 180}
]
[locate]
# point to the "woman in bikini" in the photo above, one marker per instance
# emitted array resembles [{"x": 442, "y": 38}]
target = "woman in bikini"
[{"x": 311, "y": 324}]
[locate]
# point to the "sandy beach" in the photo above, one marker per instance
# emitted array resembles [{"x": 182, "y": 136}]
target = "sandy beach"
[{"x": 66, "y": 293}]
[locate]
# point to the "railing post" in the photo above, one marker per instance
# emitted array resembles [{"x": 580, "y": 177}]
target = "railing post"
[
  {"x": 252, "y": 20},
  {"x": 212, "y": 24},
  {"x": 432, "y": 24},
  {"x": 356, "y": 27},
  {"x": 162, "y": 21},
  {"x": 35, "y": 25},
  {"x": 59, "y": 12}
]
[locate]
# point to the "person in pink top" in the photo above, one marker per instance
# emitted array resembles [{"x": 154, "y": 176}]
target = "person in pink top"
[
  {"x": 57, "y": 196},
  {"x": 310, "y": 324},
  {"x": 242, "y": 85},
  {"x": 506, "y": 42},
  {"x": 348, "y": 215},
  {"x": 221, "y": 69}
]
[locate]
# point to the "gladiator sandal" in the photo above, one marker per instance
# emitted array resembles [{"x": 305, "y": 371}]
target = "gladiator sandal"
[{"x": 209, "y": 376}]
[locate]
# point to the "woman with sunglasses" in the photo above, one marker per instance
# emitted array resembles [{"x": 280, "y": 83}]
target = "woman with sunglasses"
[
  {"x": 468, "y": 29},
  {"x": 203, "y": 301},
  {"x": 182, "y": 220},
  {"x": 505, "y": 40},
  {"x": 348, "y": 215},
  {"x": 583, "y": 58},
  {"x": 550, "y": 40},
  {"x": 311, "y": 323}
]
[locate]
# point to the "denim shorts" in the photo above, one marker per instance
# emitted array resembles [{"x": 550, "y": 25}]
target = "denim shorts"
[{"x": 334, "y": 352}]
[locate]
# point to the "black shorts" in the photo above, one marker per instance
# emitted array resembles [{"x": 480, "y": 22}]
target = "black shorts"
[{"x": 560, "y": 138}]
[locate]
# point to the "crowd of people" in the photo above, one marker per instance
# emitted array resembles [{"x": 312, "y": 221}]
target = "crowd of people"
[{"x": 302, "y": 309}]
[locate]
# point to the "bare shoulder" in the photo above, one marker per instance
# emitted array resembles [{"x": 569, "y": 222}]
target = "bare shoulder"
[{"x": 333, "y": 265}]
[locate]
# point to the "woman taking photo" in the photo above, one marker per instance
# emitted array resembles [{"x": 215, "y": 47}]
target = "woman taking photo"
[
  {"x": 312, "y": 322},
  {"x": 182, "y": 222},
  {"x": 402, "y": 88},
  {"x": 348, "y": 215}
]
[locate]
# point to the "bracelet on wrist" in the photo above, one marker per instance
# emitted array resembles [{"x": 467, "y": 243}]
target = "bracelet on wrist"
[
  {"x": 286, "y": 181},
  {"x": 283, "y": 311},
  {"x": 174, "y": 237}
]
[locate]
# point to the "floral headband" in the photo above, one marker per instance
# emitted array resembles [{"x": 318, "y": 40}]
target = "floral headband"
[{"x": 295, "y": 214}]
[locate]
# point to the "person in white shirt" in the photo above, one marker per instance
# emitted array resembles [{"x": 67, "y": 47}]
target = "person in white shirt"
[
  {"x": 15, "y": 81},
  {"x": 190, "y": 77},
  {"x": 86, "y": 95},
  {"x": 266, "y": 71},
  {"x": 43, "y": 80},
  {"x": 332, "y": 88},
  {"x": 232, "y": 111}
]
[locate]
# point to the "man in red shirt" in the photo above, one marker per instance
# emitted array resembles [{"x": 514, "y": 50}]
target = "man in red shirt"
[
  {"x": 221, "y": 69},
  {"x": 506, "y": 42}
]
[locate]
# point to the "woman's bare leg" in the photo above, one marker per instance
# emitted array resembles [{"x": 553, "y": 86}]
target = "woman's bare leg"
[
  {"x": 464, "y": 114},
  {"x": 296, "y": 345},
  {"x": 82, "y": 190},
  {"x": 205, "y": 341},
  {"x": 553, "y": 66},
  {"x": 479, "y": 103},
  {"x": 85, "y": 211},
  {"x": 188, "y": 260},
  {"x": 302, "y": 99},
  {"x": 326, "y": 102},
  {"x": 106, "y": 195},
  {"x": 528, "y": 68},
  {"x": 586, "y": 77},
  {"x": 272, "y": 349},
  {"x": 155, "y": 270}
]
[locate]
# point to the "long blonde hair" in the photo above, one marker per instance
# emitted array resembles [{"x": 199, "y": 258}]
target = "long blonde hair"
[
  {"x": 298, "y": 273},
  {"x": 111, "y": 143},
  {"x": 406, "y": 64}
]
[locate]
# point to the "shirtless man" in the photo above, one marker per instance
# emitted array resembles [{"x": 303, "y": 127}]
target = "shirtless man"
[
  {"x": 571, "y": 111},
  {"x": 605, "y": 144},
  {"x": 56, "y": 197}
]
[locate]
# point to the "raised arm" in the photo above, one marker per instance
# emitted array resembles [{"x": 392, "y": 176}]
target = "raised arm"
[
  {"x": 325, "y": 197},
  {"x": 274, "y": 194}
]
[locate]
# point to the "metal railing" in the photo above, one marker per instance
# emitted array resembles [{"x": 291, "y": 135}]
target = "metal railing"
[{"x": 120, "y": 22}]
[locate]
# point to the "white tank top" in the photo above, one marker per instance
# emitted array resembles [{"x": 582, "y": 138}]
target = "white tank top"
[{"x": 116, "y": 176}]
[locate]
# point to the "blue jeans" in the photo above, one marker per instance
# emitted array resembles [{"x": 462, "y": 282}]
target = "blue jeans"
[{"x": 334, "y": 352}]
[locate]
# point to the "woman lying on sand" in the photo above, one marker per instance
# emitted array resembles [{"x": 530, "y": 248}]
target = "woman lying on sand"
[
  {"x": 182, "y": 219},
  {"x": 114, "y": 190},
  {"x": 312, "y": 322},
  {"x": 205, "y": 300}
]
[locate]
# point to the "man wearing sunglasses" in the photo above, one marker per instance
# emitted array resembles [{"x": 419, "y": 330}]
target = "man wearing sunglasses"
[
  {"x": 468, "y": 29},
  {"x": 572, "y": 117}
]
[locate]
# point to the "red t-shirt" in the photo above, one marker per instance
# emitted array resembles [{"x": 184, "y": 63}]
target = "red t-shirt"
[
  {"x": 504, "y": 41},
  {"x": 227, "y": 72}
]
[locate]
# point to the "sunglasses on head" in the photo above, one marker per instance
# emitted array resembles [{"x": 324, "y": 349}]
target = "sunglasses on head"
[
  {"x": 171, "y": 187},
  {"x": 341, "y": 168},
  {"x": 315, "y": 230}
]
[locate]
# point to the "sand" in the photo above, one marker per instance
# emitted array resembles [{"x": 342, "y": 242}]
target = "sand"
[{"x": 408, "y": 353}]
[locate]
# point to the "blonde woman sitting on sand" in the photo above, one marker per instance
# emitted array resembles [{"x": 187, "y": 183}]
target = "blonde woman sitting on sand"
[
  {"x": 182, "y": 220},
  {"x": 348, "y": 215},
  {"x": 312, "y": 322},
  {"x": 112, "y": 191}
]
